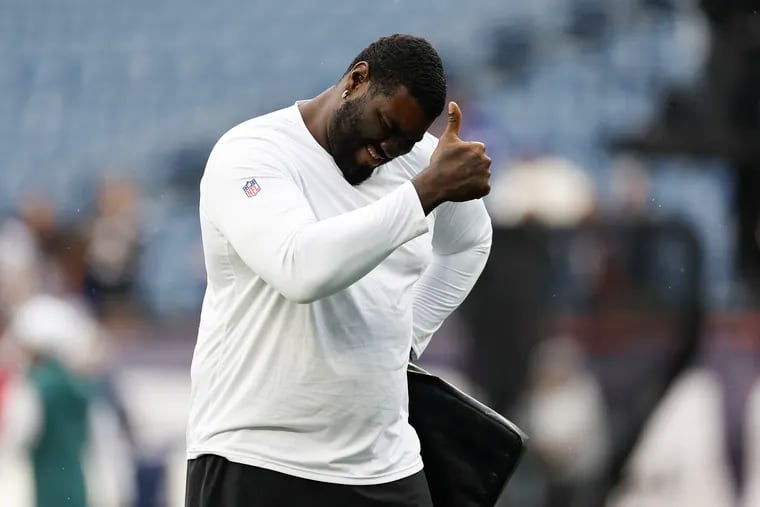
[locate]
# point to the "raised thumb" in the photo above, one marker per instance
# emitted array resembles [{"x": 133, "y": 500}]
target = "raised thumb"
[{"x": 455, "y": 121}]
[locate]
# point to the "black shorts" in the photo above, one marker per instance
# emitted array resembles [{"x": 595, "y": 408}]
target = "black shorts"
[{"x": 213, "y": 481}]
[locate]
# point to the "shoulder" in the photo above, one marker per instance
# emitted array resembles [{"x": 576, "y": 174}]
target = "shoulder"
[{"x": 260, "y": 141}]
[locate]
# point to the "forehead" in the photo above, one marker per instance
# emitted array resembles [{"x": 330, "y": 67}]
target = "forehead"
[{"x": 403, "y": 111}]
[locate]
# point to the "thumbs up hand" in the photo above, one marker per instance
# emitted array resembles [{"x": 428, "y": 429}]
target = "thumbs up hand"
[{"x": 458, "y": 170}]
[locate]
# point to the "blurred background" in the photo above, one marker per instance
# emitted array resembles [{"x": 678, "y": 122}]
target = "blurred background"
[{"x": 617, "y": 321}]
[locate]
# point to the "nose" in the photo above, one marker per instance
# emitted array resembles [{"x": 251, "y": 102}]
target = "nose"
[{"x": 396, "y": 146}]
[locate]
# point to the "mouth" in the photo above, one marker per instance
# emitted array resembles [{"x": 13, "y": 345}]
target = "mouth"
[{"x": 377, "y": 155}]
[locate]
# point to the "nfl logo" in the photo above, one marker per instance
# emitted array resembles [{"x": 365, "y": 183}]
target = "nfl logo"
[{"x": 251, "y": 188}]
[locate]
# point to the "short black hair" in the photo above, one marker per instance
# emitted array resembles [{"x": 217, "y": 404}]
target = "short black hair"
[{"x": 409, "y": 61}]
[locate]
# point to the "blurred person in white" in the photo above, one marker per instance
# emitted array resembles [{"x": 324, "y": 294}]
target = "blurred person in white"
[
  {"x": 551, "y": 190},
  {"x": 680, "y": 460},
  {"x": 37, "y": 254},
  {"x": 50, "y": 411},
  {"x": 20, "y": 264},
  {"x": 566, "y": 419},
  {"x": 24, "y": 269},
  {"x": 338, "y": 235}
]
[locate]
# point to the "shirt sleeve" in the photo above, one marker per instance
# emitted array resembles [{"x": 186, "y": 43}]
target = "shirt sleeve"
[
  {"x": 461, "y": 244},
  {"x": 276, "y": 233}
]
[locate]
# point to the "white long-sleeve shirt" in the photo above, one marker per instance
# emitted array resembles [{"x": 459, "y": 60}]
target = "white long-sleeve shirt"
[{"x": 317, "y": 291}]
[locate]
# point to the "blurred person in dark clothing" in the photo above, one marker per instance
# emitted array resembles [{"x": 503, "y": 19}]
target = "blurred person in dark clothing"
[{"x": 112, "y": 251}]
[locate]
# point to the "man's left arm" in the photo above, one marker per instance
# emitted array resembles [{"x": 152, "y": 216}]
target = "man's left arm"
[{"x": 461, "y": 244}]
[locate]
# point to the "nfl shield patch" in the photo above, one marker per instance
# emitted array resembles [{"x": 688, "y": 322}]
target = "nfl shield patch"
[{"x": 251, "y": 188}]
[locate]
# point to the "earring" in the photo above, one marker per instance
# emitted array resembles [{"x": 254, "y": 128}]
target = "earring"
[{"x": 345, "y": 94}]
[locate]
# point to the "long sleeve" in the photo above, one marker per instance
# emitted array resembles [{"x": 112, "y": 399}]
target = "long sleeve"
[
  {"x": 277, "y": 235},
  {"x": 461, "y": 244}
]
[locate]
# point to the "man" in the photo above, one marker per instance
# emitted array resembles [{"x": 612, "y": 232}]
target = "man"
[{"x": 338, "y": 235}]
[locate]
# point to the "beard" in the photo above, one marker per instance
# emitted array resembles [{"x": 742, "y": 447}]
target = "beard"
[{"x": 344, "y": 139}]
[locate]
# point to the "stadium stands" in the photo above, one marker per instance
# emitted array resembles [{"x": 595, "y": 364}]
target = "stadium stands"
[{"x": 90, "y": 87}]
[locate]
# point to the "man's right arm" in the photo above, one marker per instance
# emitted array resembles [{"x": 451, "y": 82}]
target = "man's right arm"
[
  {"x": 278, "y": 236},
  {"x": 276, "y": 233}
]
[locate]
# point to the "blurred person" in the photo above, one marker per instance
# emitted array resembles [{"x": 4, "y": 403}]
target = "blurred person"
[
  {"x": 20, "y": 264},
  {"x": 338, "y": 235},
  {"x": 40, "y": 253},
  {"x": 40, "y": 217},
  {"x": 547, "y": 189},
  {"x": 680, "y": 459},
  {"x": 54, "y": 340},
  {"x": 112, "y": 251},
  {"x": 567, "y": 419},
  {"x": 24, "y": 267},
  {"x": 76, "y": 452}
]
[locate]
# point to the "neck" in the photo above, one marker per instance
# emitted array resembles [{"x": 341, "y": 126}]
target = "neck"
[{"x": 317, "y": 113}]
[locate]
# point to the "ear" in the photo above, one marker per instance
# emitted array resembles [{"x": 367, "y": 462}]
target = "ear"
[{"x": 357, "y": 78}]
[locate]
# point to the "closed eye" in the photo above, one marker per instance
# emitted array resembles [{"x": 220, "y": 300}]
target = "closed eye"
[{"x": 391, "y": 128}]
